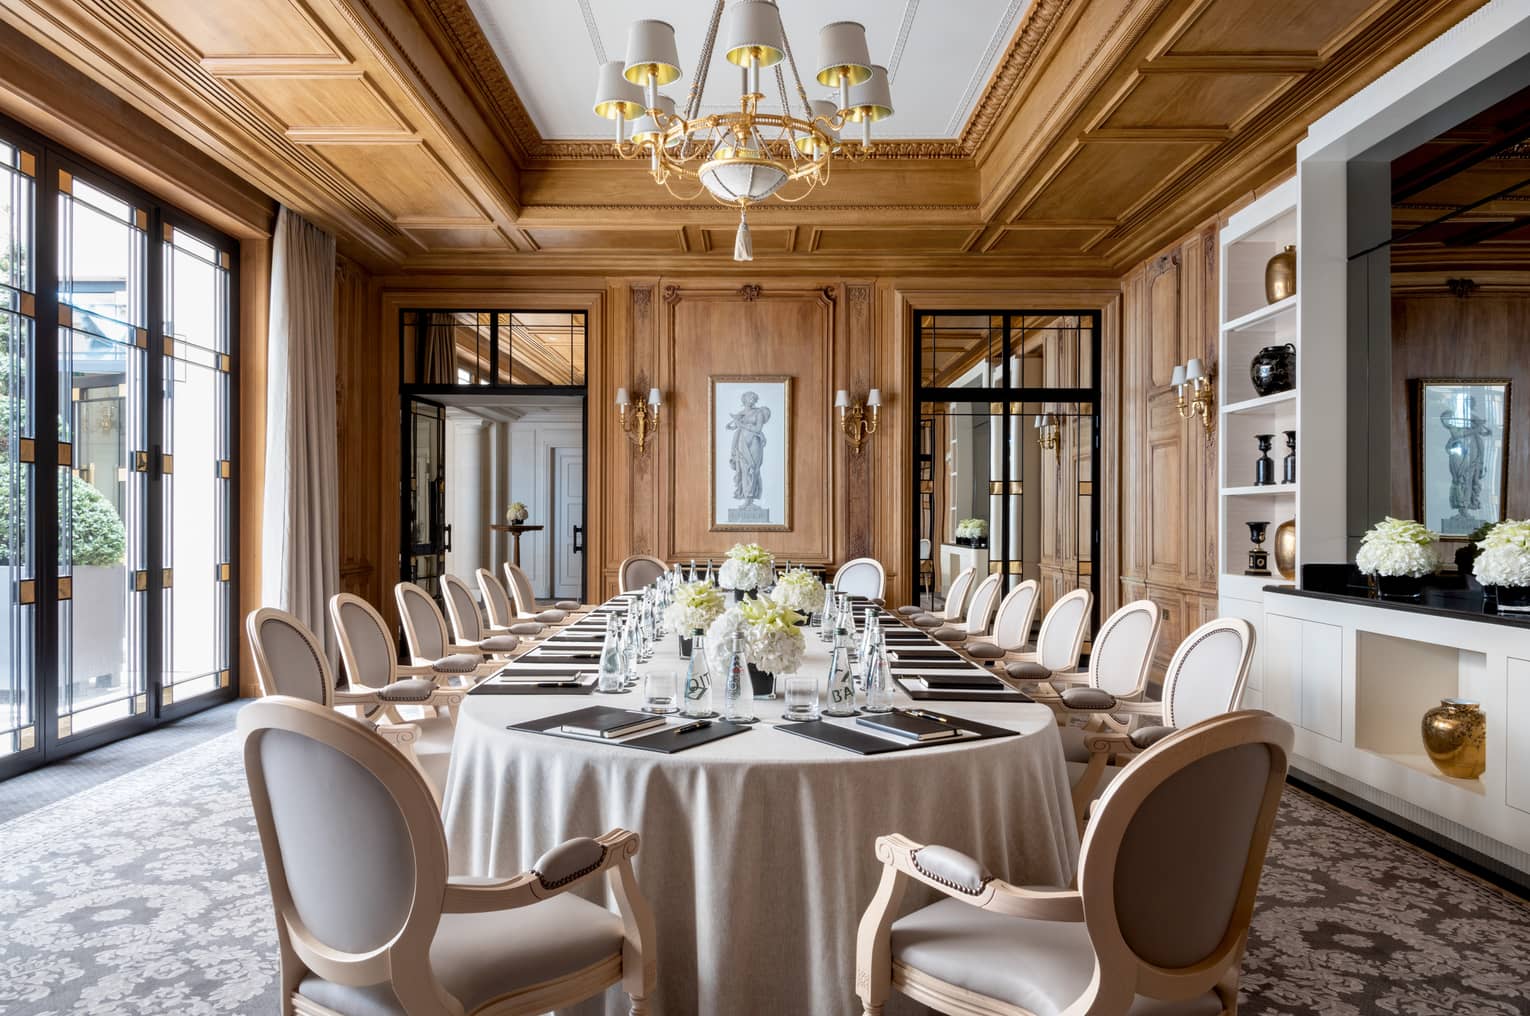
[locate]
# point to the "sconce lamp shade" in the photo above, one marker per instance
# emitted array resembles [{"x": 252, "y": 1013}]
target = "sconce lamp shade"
[
  {"x": 653, "y": 396},
  {"x": 651, "y": 53},
  {"x": 752, "y": 32},
  {"x": 810, "y": 144},
  {"x": 615, "y": 96},
  {"x": 646, "y": 128},
  {"x": 1179, "y": 375},
  {"x": 874, "y": 397},
  {"x": 872, "y": 98},
  {"x": 622, "y": 398},
  {"x": 1041, "y": 421},
  {"x": 1194, "y": 371},
  {"x": 841, "y": 399},
  {"x": 842, "y": 54}
]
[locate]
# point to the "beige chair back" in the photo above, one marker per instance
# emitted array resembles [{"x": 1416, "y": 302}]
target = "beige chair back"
[
  {"x": 1012, "y": 622},
  {"x": 1061, "y": 638},
  {"x": 1208, "y": 672},
  {"x": 461, "y": 609},
  {"x": 638, "y": 571},
  {"x": 956, "y": 596},
  {"x": 357, "y": 917},
  {"x": 288, "y": 658},
  {"x": 985, "y": 600},
  {"x": 520, "y": 590},
  {"x": 496, "y": 602},
  {"x": 367, "y": 652},
  {"x": 1171, "y": 860},
  {"x": 1123, "y": 650},
  {"x": 863, "y": 576},
  {"x": 424, "y": 627}
]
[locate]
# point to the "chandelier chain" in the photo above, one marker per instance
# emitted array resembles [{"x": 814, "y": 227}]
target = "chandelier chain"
[
  {"x": 807, "y": 107},
  {"x": 704, "y": 64}
]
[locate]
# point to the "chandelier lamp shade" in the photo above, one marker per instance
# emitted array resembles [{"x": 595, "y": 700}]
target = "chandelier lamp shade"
[{"x": 743, "y": 157}]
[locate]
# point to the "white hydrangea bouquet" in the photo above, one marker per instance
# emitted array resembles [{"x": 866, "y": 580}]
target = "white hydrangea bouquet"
[
  {"x": 772, "y": 640},
  {"x": 1504, "y": 560},
  {"x": 800, "y": 590},
  {"x": 1397, "y": 548},
  {"x": 968, "y": 529},
  {"x": 696, "y": 605},
  {"x": 748, "y": 566}
]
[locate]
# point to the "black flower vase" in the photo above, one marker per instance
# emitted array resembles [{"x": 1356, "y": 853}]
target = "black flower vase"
[
  {"x": 764, "y": 683},
  {"x": 1288, "y": 464},
  {"x": 685, "y": 647},
  {"x": 1264, "y": 468}
]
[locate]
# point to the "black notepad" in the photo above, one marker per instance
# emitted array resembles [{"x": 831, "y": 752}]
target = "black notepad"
[
  {"x": 909, "y": 727},
  {"x": 923, "y": 653},
  {"x": 904, "y": 666},
  {"x": 665, "y": 741},
  {"x": 584, "y": 686},
  {"x": 992, "y": 690}
]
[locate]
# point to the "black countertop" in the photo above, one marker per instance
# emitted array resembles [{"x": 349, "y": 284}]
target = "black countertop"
[{"x": 1442, "y": 596}]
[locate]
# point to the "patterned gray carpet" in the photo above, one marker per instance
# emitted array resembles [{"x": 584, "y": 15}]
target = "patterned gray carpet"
[{"x": 144, "y": 896}]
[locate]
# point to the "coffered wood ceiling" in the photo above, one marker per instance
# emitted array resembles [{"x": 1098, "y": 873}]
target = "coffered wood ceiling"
[{"x": 1106, "y": 127}]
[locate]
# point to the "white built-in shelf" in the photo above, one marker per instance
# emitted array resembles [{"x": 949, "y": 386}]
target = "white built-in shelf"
[
  {"x": 1264, "y": 491},
  {"x": 1261, "y": 403},
  {"x": 1251, "y": 587},
  {"x": 1256, "y": 318}
]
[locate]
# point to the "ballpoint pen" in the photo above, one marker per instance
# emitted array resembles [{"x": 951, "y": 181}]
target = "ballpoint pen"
[{"x": 698, "y": 725}]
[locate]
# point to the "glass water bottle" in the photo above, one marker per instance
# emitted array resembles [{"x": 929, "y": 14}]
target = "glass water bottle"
[
  {"x": 839, "y": 691},
  {"x": 698, "y": 679},
  {"x": 738, "y": 689},
  {"x": 879, "y": 679},
  {"x": 612, "y": 666}
]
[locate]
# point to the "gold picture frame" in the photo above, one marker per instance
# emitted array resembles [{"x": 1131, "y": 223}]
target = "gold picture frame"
[{"x": 772, "y": 392}]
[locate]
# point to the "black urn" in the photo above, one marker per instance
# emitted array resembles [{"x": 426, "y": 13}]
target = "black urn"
[{"x": 1274, "y": 369}]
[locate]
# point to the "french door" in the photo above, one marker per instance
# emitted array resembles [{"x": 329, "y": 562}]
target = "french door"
[
  {"x": 116, "y": 457},
  {"x": 427, "y": 534}
]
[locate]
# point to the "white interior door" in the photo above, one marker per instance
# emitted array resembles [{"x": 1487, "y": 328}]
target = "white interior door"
[{"x": 568, "y": 513}]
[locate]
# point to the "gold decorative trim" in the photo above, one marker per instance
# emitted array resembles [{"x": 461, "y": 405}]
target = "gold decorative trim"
[
  {"x": 140, "y": 462},
  {"x": 225, "y": 362},
  {"x": 26, "y": 591},
  {"x": 140, "y": 703},
  {"x": 225, "y": 469},
  {"x": 225, "y": 572},
  {"x": 65, "y": 316},
  {"x": 169, "y": 346},
  {"x": 168, "y": 231},
  {"x": 141, "y": 338},
  {"x": 27, "y": 164},
  {"x": 995, "y": 567},
  {"x": 141, "y": 219},
  {"x": 224, "y": 261},
  {"x": 140, "y": 581},
  {"x": 167, "y": 578},
  {"x": 167, "y": 464},
  {"x": 1086, "y": 568},
  {"x": 26, "y": 738},
  {"x": 224, "y": 677},
  {"x": 27, "y": 305},
  {"x": 1086, "y": 487},
  {"x": 65, "y": 726},
  {"x": 65, "y": 588},
  {"x": 995, "y": 487},
  {"x": 28, "y": 450},
  {"x": 65, "y": 454},
  {"x": 167, "y": 695},
  {"x": 1015, "y": 567},
  {"x": 65, "y": 182}
]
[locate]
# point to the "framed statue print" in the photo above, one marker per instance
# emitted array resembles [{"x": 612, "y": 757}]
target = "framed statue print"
[
  {"x": 1460, "y": 453},
  {"x": 750, "y": 454}
]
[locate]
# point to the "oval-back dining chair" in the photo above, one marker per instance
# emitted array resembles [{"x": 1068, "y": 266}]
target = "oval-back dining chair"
[
  {"x": 980, "y": 610},
  {"x": 956, "y": 602},
  {"x": 501, "y": 611},
  {"x": 1119, "y": 661},
  {"x": 1060, "y": 640},
  {"x": 467, "y": 621},
  {"x": 385, "y": 929},
  {"x": 526, "y": 607},
  {"x": 638, "y": 571},
  {"x": 861, "y": 576},
  {"x": 1011, "y": 625}
]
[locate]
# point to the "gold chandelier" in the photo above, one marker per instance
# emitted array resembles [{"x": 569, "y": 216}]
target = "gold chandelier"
[{"x": 742, "y": 158}]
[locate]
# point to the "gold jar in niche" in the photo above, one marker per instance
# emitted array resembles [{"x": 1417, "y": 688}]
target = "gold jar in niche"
[
  {"x": 1280, "y": 276},
  {"x": 1285, "y": 549},
  {"x": 1455, "y": 736}
]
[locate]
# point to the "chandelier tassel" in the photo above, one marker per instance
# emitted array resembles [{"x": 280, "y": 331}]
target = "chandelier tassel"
[{"x": 743, "y": 244}]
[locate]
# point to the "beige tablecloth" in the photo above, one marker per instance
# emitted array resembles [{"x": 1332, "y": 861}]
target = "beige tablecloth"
[{"x": 756, "y": 850}]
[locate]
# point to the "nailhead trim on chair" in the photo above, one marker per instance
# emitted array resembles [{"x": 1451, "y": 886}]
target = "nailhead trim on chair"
[
  {"x": 565, "y": 880},
  {"x": 947, "y": 882}
]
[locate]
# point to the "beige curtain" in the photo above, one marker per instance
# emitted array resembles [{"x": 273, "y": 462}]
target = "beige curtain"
[
  {"x": 437, "y": 350},
  {"x": 301, "y": 557}
]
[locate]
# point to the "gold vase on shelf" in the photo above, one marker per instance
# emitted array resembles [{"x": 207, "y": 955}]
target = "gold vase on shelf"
[
  {"x": 1280, "y": 276},
  {"x": 1285, "y": 549},
  {"x": 1455, "y": 736}
]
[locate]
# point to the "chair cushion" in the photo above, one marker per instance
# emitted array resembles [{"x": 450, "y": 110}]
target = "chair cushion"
[
  {"x": 528, "y": 629},
  {"x": 953, "y": 867},
  {"x": 983, "y": 650},
  {"x": 1146, "y": 737},
  {"x": 949, "y": 634},
  {"x": 1027, "y": 671},
  {"x": 928, "y": 621},
  {"x": 478, "y": 957},
  {"x": 1039, "y": 966},
  {"x": 567, "y": 605},
  {"x": 412, "y": 689},
  {"x": 456, "y": 663},
  {"x": 499, "y": 643},
  {"x": 1078, "y": 697},
  {"x": 911, "y": 610},
  {"x": 550, "y": 616}
]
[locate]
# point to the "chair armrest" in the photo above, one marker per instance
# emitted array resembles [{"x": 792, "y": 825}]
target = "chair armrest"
[
  {"x": 1070, "y": 677},
  {"x": 615, "y": 848},
  {"x": 900, "y": 853},
  {"x": 352, "y": 697}
]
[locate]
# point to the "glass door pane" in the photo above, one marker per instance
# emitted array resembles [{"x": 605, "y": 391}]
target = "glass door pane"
[
  {"x": 425, "y": 503},
  {"x": 102, "y": 455},
  {"x": 197, "y": 468},
  {"x": 18, "y": 447}
]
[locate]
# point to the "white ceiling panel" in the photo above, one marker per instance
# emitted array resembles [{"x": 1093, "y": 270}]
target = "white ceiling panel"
[{"x": 940, "y": 53}]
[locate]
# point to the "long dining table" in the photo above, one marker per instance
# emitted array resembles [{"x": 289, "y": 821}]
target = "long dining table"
[{"x": 757, "y": 850}]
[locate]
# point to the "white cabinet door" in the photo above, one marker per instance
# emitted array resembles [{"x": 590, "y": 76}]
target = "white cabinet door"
[
  {"x": 1517, "y": 728},
  {"x": 1323, "y": 679},
  {"x": 1282, "y": 652}
]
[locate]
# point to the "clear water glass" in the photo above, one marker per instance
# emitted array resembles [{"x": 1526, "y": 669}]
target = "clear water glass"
[
  {"x": 879, "y": 684},
  {"x": 659, "y": 692},
  {"x": 801, "y": 698}
]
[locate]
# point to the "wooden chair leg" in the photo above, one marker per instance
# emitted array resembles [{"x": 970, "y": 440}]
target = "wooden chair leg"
[{"x": 873, "y": 951}]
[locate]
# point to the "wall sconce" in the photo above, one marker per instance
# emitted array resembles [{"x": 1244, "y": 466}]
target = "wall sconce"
[
  {"x": 1048, "y": 432},
  {"x": 1195, "y": 393},
  {"x": 641, "y": 421},
  {"x": 858, "y": 420}
]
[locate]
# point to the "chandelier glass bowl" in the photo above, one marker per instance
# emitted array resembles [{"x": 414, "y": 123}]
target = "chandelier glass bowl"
[{"x": 745, "y": 156}]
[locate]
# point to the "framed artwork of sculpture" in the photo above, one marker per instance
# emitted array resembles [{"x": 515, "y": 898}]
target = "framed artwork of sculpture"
[
  {"x": 750, "y": 453},
  {"x": 1460, "y": 453}
]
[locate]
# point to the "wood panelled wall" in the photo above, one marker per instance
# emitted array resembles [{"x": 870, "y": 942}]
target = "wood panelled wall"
[
  {"x": 1168, "y": 475},
  {"x": 366, "y": 365}
]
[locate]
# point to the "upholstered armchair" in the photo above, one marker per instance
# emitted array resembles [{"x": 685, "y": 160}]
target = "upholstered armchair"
[
  {"x": 430, "y": 647},
  {"x": 1011, "y": 626},
  {"x": 290, "y": 662},
  {"x": 1205, "y": 678},
  {"x": 501, "y": 611},
  {"x": 956, "y": 604},
  {"x": 468, "y": 628},
  {"x": 1118, "y": 665},
  {"x": 637, "y": 571},
  {"x": 526, "y": 606},
  {"x": 1159, "y": 921},
  {"x": 862, "y": 576},
  {"x": 1059, "y": 642},
  {"x": 980, "y": 611},
  {"x": 383, "y": 929}
]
